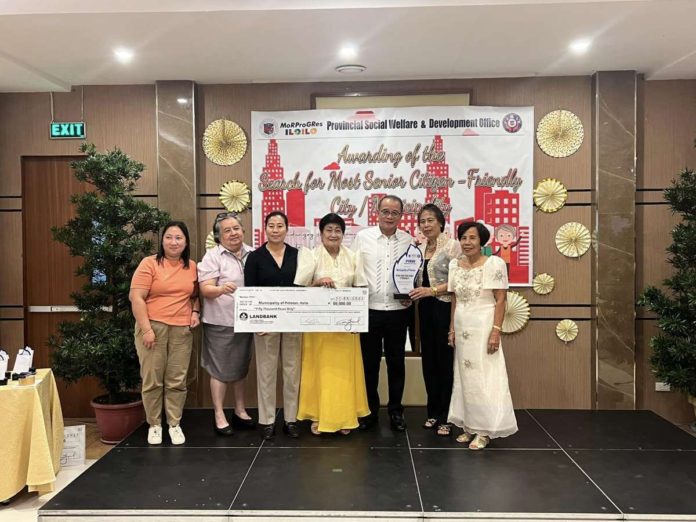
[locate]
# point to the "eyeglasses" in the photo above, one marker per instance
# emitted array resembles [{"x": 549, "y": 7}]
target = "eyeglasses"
[
  {"x": 225, "y": 215},
  {"x": 393, "y": 213}
]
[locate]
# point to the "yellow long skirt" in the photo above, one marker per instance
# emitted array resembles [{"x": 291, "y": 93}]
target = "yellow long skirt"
[{"x": 332, "y": 387}]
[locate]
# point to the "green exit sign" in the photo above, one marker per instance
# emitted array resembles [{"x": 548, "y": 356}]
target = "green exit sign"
[{"x": 69, "y": 130}]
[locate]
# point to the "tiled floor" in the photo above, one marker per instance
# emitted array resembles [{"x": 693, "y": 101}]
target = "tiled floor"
[{"x": 561, "y": 465}]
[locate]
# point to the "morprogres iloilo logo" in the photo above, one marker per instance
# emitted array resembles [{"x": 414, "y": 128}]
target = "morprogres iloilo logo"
[{"x": 268, "y": 128}]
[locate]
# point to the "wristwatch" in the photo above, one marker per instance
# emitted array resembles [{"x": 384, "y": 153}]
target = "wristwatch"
[{"x": 433, "y": 289}]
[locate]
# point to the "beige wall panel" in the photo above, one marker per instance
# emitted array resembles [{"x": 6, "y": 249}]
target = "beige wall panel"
[
  {"x": 671, "y": 405},
  {"x": 578, "y": 198},
  {"x": 669, "y": 123},
  {"x": 669, "y": 126},
  {"x": 12, "y": 312},
  {"x": 572, "y": 275},
  {"x": 561, "y": 312},
  {"x": 67, "y": 106},
  {"x": 11, "y": 203},
  {"x": 11, "y": 283},
  {"x": 24, "y": 131},
  {"x": 544, "y": 372},
  {"x": 653, "y": 226},
  {"x": 210, "y": 203},
  {"x": 11, "y": 337},
  {"x": 652, "y": 196},
  {"x": 125, "y": 117},
  {"x": 116, "y": 116}
]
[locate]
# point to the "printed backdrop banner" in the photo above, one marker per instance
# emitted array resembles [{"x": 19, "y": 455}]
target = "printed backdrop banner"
[{"x": 475, "y": 163}]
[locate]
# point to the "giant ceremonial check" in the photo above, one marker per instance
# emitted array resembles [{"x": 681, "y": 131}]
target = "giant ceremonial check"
[
  {"x": 298, "y": 309},
  {"x": 475, "y": 163}
]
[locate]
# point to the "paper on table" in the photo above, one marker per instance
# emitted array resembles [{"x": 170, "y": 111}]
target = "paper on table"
[
  {"x": 24, "y": 360},
  {"x": 4, "y": 359}
]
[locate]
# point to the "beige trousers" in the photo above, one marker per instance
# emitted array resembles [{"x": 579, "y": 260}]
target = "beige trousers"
[
  {"x": 267, "y": 349},
  {"x": 163, "y": 369}
]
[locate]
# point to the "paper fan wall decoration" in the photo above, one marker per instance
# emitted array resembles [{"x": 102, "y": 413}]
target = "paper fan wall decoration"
[
  {"x": 235, "y": 196},
  {"x": 517, "y": 313},
  {"x": 210, "y": 241},
  {"x": 224, "y": 142},
  {"x": 567, "y": 330},
  {"x": 573, "y": 239},
  {"x": 543, "y": 284},
  {"x": 550, "y": 195},
  {"x": 560, "y": 133}
]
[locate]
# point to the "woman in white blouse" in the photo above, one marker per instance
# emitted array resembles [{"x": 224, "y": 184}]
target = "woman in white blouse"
[
  {"x": 481, "y": 403},
  {"x": 332, "y": 385}
]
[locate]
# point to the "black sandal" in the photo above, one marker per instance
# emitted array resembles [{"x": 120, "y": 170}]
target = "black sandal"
[{"x": 429, "y": 423}]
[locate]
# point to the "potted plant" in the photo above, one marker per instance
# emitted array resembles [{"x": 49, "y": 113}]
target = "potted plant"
[
  {"x": 111, "y": 232},
  {"x": 674, "y": 349}
]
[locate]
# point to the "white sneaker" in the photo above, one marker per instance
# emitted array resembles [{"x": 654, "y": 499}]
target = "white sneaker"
[
  {"x": 176, "y": 435},
  {"x": 154, "y": 434}
]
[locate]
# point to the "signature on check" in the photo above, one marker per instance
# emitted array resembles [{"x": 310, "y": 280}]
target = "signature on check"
[{"x": 348, "y": 324}]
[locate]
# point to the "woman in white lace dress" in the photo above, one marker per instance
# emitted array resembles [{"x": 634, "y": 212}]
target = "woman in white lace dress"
[{"x": 481, "y": 403}]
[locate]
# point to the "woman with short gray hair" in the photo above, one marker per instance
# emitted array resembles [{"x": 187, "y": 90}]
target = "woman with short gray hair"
[{"x": 225, "y": 354}]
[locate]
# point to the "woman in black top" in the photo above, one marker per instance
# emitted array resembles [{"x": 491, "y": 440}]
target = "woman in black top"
[
  {"x": 434, "y": 306},
  {"x": 274, "y": 264}
]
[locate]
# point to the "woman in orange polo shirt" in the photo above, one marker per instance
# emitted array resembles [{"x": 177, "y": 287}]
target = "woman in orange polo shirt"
[{"x": 164, "y": 298}]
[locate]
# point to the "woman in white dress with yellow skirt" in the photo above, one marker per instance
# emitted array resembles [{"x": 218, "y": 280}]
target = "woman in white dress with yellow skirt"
[
  {"x": 481, "y": 403},
  {"x": 332, "y": 385}
]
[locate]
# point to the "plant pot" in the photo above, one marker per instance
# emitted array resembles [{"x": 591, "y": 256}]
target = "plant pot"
[
  {"x": 692, "y": 400},
  {"x": 116, "y": 421}
]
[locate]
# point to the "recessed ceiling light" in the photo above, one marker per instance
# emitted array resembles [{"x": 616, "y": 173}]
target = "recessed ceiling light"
[
  {"x": 580, "y": 46},
  {"x": 352, "y": 68},
  {"x": 348, "y": 52},
  {"x": 182, "y": 101},
  {"x": 123, "y": 55}
]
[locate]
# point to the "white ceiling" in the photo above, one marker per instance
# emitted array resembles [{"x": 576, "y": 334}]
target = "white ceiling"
[{"x": 53, "y": 45}]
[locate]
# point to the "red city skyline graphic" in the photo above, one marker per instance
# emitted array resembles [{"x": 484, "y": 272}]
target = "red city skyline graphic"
[
  {"x": 372, "y": 208},
  {"x": 502, "y": 207},
  {"x": 439, "y": 169},
  {"x": 292, "y": 203}
]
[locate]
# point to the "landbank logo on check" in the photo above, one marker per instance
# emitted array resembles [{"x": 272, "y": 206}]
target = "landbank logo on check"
[{"x": 244, "y": 316}]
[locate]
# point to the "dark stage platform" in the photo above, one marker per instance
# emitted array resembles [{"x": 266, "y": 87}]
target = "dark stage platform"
[{"x": 562, "y": 465}]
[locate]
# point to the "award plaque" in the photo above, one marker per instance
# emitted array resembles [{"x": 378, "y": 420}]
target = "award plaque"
[{"x": 405, "y": 271}]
